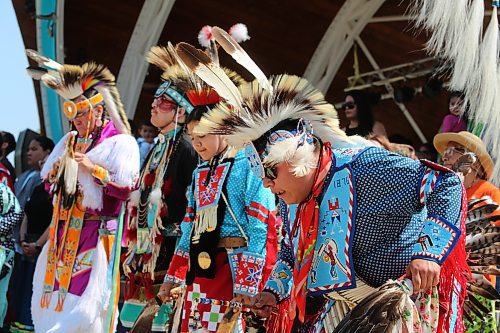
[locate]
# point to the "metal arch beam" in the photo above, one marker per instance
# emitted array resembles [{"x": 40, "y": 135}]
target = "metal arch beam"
[
  {"x": 349, "y": 22},
  {"x": 147, "y": 32},
  {"x": 390, "y": 90}
]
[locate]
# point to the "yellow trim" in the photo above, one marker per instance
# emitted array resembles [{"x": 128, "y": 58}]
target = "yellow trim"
[
  {"x": 86, "y": 102},
  {"x": 71, "y": 108},
  {"x": 100, "y": 174}
]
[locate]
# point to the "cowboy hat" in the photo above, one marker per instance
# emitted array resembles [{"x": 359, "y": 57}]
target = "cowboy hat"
[{"x": 470, "y": 142}]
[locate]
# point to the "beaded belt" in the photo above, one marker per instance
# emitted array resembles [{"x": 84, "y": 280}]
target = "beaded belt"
[{"x": 232, "y": 242}]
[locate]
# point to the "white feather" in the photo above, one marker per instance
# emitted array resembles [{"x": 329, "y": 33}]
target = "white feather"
[
  {"x": 155, "y": 196},
  {"x": 215, "y": 77},
  {"x": 282, "y": 151},
  {"x": 135, "y": 197},
  {"x": 67, "y": 91},
  {"x": 435, "y": 16},
  {"x": 70, "y": 175},
  {"x": 239, "y": 32},
  {"x": 43, "y": 60},
  {"x": 420, "y": 10},
  {"x": 241, "y": 57},
  {"x": 205, "y": 36}
]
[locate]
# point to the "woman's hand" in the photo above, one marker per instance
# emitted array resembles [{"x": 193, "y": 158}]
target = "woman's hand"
[
  {"x": 84, "y": 162},
  {"x": 29, "y": 249}
]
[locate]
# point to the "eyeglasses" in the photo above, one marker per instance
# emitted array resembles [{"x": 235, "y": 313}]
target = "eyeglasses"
[
  {"x": 163, "y": 103},
  {"x": 452, "y": 150},
  {"x": 348, "y": 105},
  {"x": 81, "y": 114},
  {"x": 270, "y": 172}
]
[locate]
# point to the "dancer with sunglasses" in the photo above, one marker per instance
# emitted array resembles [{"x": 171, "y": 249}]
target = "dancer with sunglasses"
[
  {"x": 158, "y": 206},
  {"x": 90, "y": 173},
  {"x": 355, "y": 217}
]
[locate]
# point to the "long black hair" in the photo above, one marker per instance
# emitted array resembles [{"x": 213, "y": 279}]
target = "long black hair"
[
  {"x": 45, "y": 143},
  {"x": 364, "y": 102}
]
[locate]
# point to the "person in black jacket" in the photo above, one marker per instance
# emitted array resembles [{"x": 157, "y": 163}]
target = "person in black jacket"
[{"x": 157, "y": 208}]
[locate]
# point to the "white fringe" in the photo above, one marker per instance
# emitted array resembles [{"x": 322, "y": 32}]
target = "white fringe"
[
  {"x": 442, "y": 23},
  {"x": 466, "y": 55},
  {"x": 206, "y": 219},
  {"x": 485, "y": 102},
  {"x": 86, "y": 313},
  {"x": 120, "y": 156}
]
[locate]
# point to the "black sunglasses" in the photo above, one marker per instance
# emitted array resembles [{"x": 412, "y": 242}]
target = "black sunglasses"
[
  {"x": 348, "y": 105},
  {"x": 270, "y": 172}
]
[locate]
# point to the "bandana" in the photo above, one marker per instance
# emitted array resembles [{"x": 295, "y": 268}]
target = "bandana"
[{"x": 306, "y": 225}]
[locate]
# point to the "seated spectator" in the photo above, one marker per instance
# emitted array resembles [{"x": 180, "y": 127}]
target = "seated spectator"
[
  {"x": 8, "y": 146},
  {"x": 453, "y": 122},
  {"x": 452, "y": 146},
  {"x": 147, "y": 134},
  {"x": 358, "y": 111}
]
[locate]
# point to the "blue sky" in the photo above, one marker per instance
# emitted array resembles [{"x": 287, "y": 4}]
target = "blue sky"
[{"x": 18, "y": 103}]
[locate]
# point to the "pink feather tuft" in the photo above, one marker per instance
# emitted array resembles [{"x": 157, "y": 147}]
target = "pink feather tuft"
[
  {"x": 205, "y": 36},
  {"x": 239, "y": 32}
]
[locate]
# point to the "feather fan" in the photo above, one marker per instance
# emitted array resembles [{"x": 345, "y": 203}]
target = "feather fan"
[
  {"x": 381, "y": 311},
  {"x": 482, "y": 244}
]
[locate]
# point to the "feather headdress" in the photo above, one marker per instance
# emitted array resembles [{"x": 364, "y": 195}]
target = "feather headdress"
[
  {"x": 181, "y": 84},
  {"x": 71, "y": 81},
  {"x": 260, "y": 108}
]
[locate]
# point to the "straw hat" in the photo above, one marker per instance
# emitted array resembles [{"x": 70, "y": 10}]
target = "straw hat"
[{"x": 470, "y": 142}]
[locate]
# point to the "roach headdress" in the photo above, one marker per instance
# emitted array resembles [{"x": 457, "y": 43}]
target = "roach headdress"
[{"x": 72, "y": 81}]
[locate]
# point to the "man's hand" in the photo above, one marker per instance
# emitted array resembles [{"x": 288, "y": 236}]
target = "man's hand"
[
  {"x": 424, "y": 274},
  {"x": 84, "y": 162},
  {"x": 245, "y": 299},
  {"x": 263, "y": 304},
  {"x": 164, "y": 293}
]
